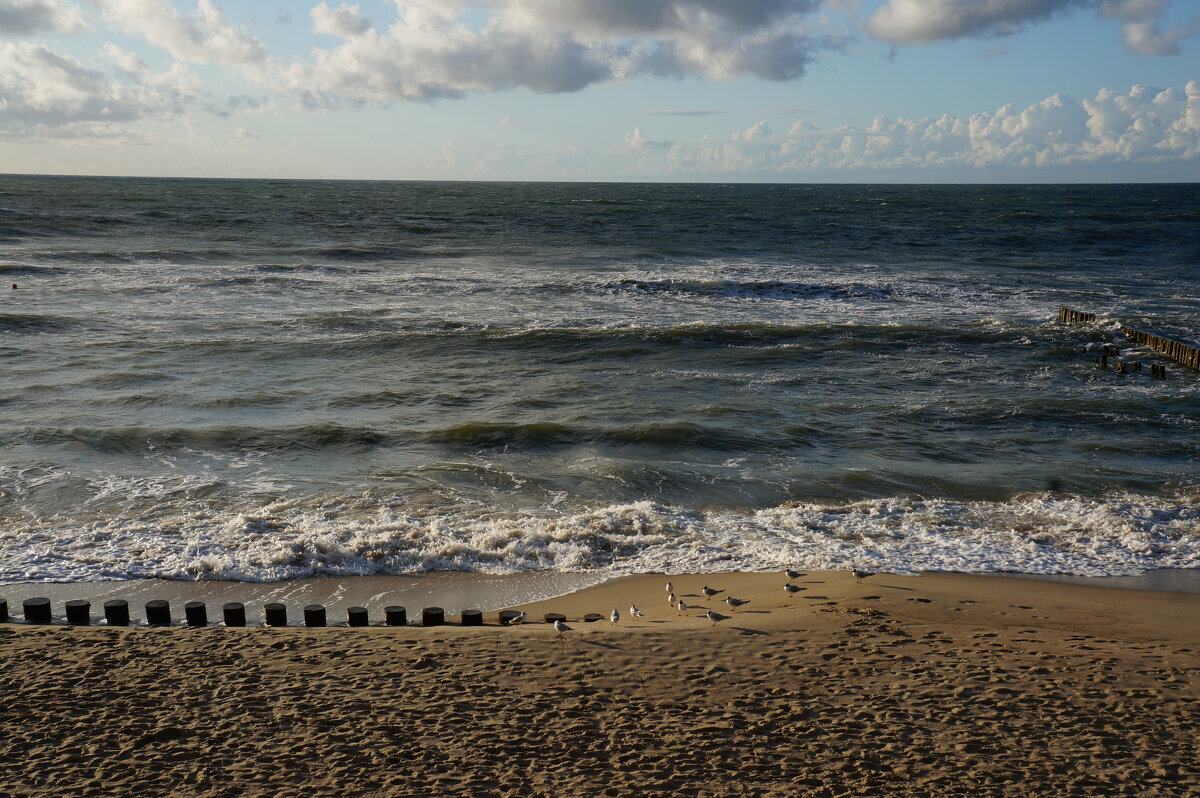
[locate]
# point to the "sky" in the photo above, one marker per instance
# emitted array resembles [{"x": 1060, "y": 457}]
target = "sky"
[{"x": 657, "y": 90}]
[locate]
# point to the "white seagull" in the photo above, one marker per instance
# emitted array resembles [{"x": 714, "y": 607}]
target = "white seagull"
[
  {"x": 517, "y": 620},
  {"x": 671, "y": 599},
  {"x": 861, "y": 575},
  {"x": 561, "y": 627},
  {"x": 635, "y": 612},
  {"x": 616, "y": 616},
  {"x": 790, "y": 574},
  {"x": 709, "y": 592},
  {"x": 670, "y": 587},
  {"x": 683, "y": 608},
  {"x": 734, "y": 603},
  {"x": 792, "y": 589},
  {"x": 715, "y": 616}
]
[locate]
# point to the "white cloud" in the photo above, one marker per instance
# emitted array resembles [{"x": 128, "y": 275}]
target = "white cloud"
[
  {"x": 636, "y": 141},
  {"x": 31, "y": 17},
  {"x": 202, "y": 37},
  {"x": 436, "y": 49},
  {"x": 344, "y": 21},
  {"x": 1143, "y": 126},
  {"x": 1141, "y": 27},
  {"x": 45, "y": 93},
  {"x": 928, "y": 21}
]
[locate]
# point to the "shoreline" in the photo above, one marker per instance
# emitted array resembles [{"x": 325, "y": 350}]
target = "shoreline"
[
  {"x": 451, "y": 590},
  {"x": 935, "y": 684}
]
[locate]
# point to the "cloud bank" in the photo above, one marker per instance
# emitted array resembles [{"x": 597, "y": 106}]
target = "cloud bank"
[
  {"x": 434, "y": 49},
  {"x": 1145, "y": 125},
  {"x": 916, "y": 22},
  {"x": 35, "y": 17}
]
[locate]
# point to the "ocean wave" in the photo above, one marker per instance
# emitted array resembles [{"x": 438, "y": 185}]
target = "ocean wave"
[
  {"x": 465, "y": 435},
  {"x": 343, "y": 536},
  {"x": 34, "y": 323},
  {"x": 749, "y": 288}
]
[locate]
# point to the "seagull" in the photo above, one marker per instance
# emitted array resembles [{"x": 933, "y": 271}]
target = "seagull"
[
  {"x": 790, "y": 574},
  {"x": 735, "y": 603},
  {"x": 861, "y": 575},
  {"x": 670, "y": 587},
  {"x": 710, "y": 592},
  {"x": 683, "y": 608},
  {"x": 616, "y": 616},
  {"x": 561, "y": 627},
  {"x": 518, "y": 619},
  {"x": 634, "y": 611},
  {"x": 792, "y": 589},
  {"x": 715, "y": 616},
  {"x": 671, "y": 599}
]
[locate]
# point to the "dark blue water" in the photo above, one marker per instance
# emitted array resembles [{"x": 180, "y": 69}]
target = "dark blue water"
[{"x": 272, "y": 379}]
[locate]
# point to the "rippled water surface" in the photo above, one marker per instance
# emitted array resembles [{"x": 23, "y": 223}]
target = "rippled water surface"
[{"x": 267, "y": 380}]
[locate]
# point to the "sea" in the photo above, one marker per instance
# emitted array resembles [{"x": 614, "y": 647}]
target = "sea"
[{"x": 268, "y": 380}]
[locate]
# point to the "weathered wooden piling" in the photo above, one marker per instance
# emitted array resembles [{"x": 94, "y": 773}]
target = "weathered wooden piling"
[
  {"x": 395, "y": 616},
  {"x": 79, "y": 612},
  {"x": 314, "y": 615},
  {"x": 357, "y": 616},
  {"x": 1186, "y": 354},
  {"x": 433, "y": 616},
  {"x": 116, "y": 612},
  {"x": 158, "y": 613},
  {"x": 196, "y": 613},
  {"x": 3, "y": 609},
  {"x": 37, "y": 610},
  {"x": 234, "y": 613},
  {"x": 551, "y": 617},
  {"x": 275, "y": 614},
  {"x": 592, "y": 617},
  {"x": 1068, "y": 316},
  {"x": 508, "y": 616},
  {"x": 472, "y": 618}
]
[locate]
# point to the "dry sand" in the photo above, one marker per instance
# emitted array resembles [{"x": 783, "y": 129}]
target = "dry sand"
[{"x": 932, "y": 685}]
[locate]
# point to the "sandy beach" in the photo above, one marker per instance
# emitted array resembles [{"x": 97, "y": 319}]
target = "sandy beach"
[{"x": 898, "y": 685}]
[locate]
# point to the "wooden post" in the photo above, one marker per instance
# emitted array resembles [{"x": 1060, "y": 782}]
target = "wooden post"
[
  {"x": 592, "y": 617},
  {"x": 276, "y": 614},
  {"x": 37, "y": 610},
  {"x": 472, "y": 618},
  {"x": 551, "y": 617},
  {"x": 507, "y": 616},
  {"x": 357, "y": 616},
  {"x": 433, "y": 616},
  {"x": 1121, "y": 367},
  {"x": 395, "y": 616},
  {"x": 234, "y": 613},
  {"x": 196, "y": 613},
  {"x": 314, "y": 615},
  {"x": 158, "y": 613},
  {"x": 79, "y": 612},
  {"x": 3, "y": 610},
  {"x": 116, "y": 612}
]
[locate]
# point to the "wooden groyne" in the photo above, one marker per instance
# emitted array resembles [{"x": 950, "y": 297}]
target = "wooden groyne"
[
  {"x": 1067, "y": 315},
  {"x": 1180, "y": 352},
  {"x": 1183, "y": 353}
]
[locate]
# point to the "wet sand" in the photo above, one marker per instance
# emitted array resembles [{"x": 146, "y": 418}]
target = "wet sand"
[{"x": 930, "y": 685}]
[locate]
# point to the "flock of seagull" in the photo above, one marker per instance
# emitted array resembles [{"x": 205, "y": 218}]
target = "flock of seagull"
[{"x": 681, "y": 606}]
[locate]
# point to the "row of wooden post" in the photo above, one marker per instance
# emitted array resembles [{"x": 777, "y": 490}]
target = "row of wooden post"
[
  {"x": 1184, "y": 353},
  {"x": 158, "y": 613},
  {"x": 1075, "y": 316}
]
